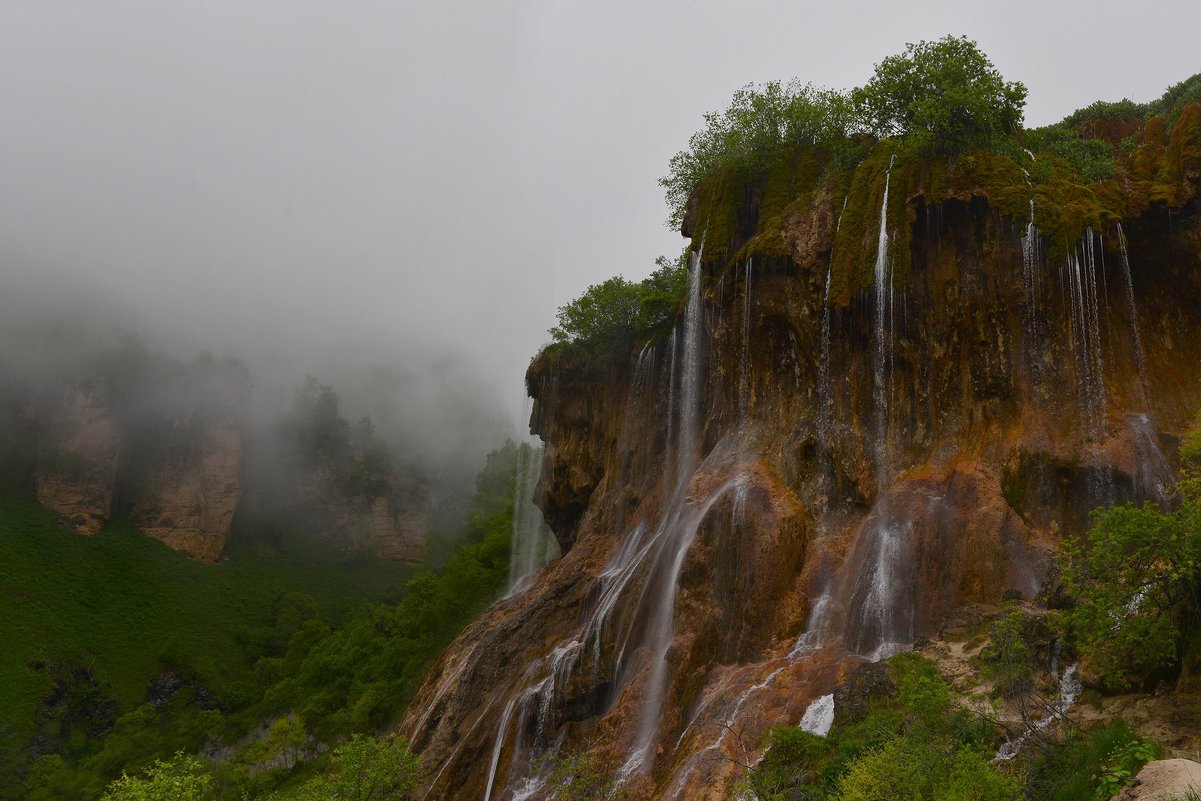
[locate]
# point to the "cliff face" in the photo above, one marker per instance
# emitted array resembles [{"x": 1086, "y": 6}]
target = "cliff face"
[
  {"x": 171, "y": 457},
  {"x": 77, "y": 461},
  {"x": 874, "y": 411}
]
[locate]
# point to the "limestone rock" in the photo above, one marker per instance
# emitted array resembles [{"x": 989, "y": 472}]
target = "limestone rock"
[
  {"x": 77, "y": 459},
  {"x": 1164, "y": 780}
]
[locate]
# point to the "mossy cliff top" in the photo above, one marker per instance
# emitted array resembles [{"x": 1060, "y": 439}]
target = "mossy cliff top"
[{"x": 758, "y": 213}]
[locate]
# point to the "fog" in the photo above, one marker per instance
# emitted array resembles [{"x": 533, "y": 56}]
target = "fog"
[{"x": 387, "y": 194}]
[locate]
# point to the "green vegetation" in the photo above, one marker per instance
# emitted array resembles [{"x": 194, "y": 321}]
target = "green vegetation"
[
  {"x": 752, "y": 132},
  {"x": 182, "y": 778},
  {"x": 610, "y": 316},
  {"x": 125, "y": 652},
  {"x": 364, "y": 769},
  {"x": 581, "y": 776},
  {"x": 1136, "y": 580},
  {"x": 943, "y": 97},
  {"x": 913, "y": 744},
  {"x": 1088, "y": 766},
  {"x": 948, "y": 124}
]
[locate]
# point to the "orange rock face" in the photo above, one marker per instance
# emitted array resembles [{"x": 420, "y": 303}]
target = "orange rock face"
[
  {"x": 862, "y": 471},
  {"x": 77, "y": 461}
]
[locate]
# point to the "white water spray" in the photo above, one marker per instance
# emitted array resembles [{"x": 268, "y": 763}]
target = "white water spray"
[
  {"x": 882, "y": 307},
  {"x": 1139, "y": 353},
  {"x": 533, "y": 544}
]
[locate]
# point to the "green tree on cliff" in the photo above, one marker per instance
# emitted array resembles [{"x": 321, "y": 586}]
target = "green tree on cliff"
[
  {"x": 943, "y": 96},
  {"x": 1136, "y": 579},
  {"x": 610, "y": 315}
]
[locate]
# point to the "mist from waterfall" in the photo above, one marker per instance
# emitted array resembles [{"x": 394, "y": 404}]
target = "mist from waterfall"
[{"x": 533, "y": 544}]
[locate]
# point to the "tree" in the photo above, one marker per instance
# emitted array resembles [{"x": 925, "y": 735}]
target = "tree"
[
  {"x": 609, "y": 315},
  {"x": 1135, "y": 576},
  {"x": 1129, "y": 575},
  {"x": 943, "y": 96},
  {"x": 759, "y": 123},
  {"x": 182, "y": 778},
  {"x": 366, "y": 769}
]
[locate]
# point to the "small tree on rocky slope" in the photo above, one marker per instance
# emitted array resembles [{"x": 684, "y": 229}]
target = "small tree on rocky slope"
[{"x": 1136, "y": 577}]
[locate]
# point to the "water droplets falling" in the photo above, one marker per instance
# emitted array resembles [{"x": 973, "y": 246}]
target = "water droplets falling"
[
  {"x": 882, "y": 313},
  {"x": 1085, "y": 324},
  {"x": 1139, "y": 354},
  {"x": 1031, "y": 259},
  {"x": 819, "y": 717},
  {"x": 744, "y": 379},
  {"x": 533, "y": 545}
]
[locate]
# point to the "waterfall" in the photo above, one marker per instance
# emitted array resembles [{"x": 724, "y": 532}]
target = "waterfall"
[
  {"x": 1085, "y": 327},
  {"x": 499, "y": 745},
  {"x": 1031, "y": 258},
  {"x": 1139, "y": 353},
  {"x": 819, "y": 717},
  {"x": 825, "y": 388},
  {"x": 1155, "y": 477},
  {"x": 690, "y": 371},
  {"x": 533, "y": 544},
  {"x": 676, "y": 532},
  {"x": 882, "y": 310},
  {"x": 882, "y": 591},
  {"x": 744, "y": 381}
]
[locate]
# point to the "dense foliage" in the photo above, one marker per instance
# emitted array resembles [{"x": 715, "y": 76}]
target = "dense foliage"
[
  {"x": 752, "y": 131},
  {"x": 916, "y": 744},
  {"x": 288, "y": 671},
  {"x": 1136, "y": 580},
  {"x": 943, "y": 96},
  {"x": 609, "y": 316}
]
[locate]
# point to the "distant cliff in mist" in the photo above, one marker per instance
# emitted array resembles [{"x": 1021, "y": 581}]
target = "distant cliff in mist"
[{"x": 174, "y": 447}]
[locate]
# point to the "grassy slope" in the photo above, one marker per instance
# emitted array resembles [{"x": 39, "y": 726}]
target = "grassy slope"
[{"x": 121, "y": 602}]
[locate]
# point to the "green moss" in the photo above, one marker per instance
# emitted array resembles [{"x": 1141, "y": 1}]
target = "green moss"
[{"x": 1157, "y": 166}]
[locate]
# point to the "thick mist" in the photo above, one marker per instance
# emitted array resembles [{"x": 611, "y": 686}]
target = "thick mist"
[{"x": 395, "y": 198}]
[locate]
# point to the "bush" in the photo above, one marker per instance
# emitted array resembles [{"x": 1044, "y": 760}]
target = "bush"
[
  {"x": 914, "y": 745},
  {"x": 1092, "y": 158},
  {"x": 943, "y": 96}
]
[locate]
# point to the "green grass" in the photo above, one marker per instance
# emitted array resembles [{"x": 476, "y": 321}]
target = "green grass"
[{"x": 126, "y": 605}]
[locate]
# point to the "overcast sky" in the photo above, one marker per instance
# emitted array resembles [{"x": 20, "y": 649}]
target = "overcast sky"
[{"x": 429, "y": 181}]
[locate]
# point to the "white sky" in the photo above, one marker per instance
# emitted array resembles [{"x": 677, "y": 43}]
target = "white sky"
[{"x": 430, "y": 181}]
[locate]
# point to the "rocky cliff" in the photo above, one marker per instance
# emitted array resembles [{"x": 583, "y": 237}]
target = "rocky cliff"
[
  {"x": 892, "y": 391},
  {"x": 77, "y": 459}
]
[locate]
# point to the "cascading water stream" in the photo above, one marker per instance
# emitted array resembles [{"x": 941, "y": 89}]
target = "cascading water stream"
[
  {"x": 679, "y": 530},
  {"x": 744, "y": 379},
  {"x": 1031, "y": 258},
  {"x": 1139, "y": 354},
  {"x": 533, "y": 545},
  {"x": 881, "y": 311},
  {"x": 825, "y": 389},
  {"x": 641, "y": 580},
  {"x": 1085, "y": 324}
]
